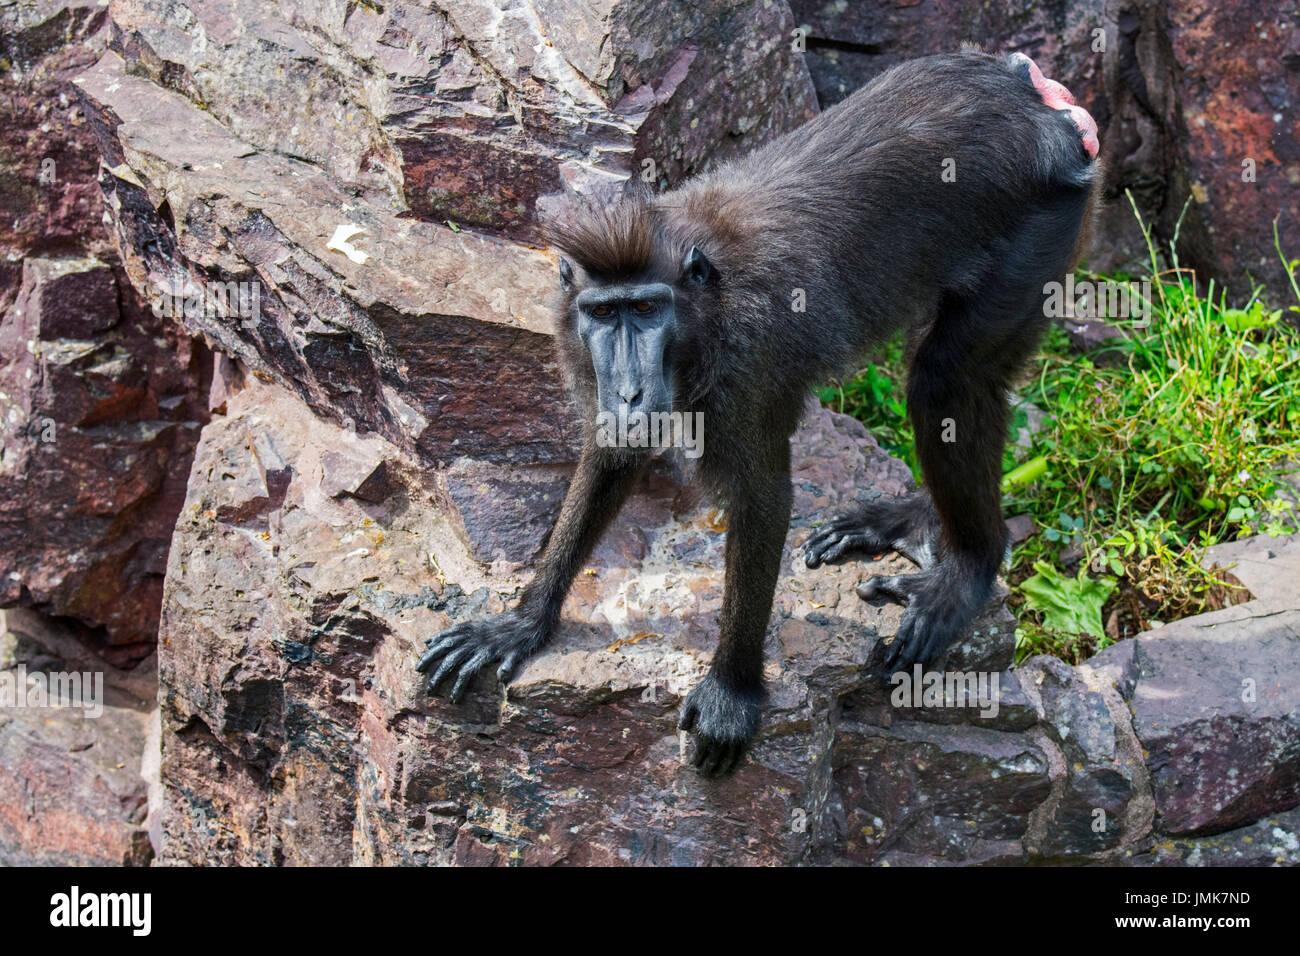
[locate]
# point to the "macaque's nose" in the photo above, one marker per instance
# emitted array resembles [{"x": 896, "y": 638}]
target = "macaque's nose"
[{"x": 630, "y": 394}]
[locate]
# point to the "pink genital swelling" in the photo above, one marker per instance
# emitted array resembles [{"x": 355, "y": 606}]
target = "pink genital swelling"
[{"x": 1059, "y": 98}]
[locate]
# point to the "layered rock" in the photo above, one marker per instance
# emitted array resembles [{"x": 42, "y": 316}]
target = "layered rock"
[
  {"x": 100, "y": 400},
  {"x": 101, "y": 410},
  {"x": 479, "y": 111},
  {"x": 387, "y": 343},
  {"x": 74, "y": 779},
  {"x": 48, "y": 161},
  {"x": 310, "y": 592},
  {"x": 1214, "y": 700},
  {"x": 318, "y": 744}
]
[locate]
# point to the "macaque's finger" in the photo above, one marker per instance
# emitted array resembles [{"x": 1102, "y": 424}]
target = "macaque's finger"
[
  {"x": 437, "y": 646},
  {"x": 716, "y": 752},
  {"x": 689, "y": 715},
  {"x": 819, "y": 546},
  {"x": 733, "y": 759},
  {"x": 448, "y": 665},
  {"x": 433, "y": 653},
  {"x": 895, "y": 587},
  {"x": 507, "y": 668},
  {"x": 899, "y": 651},
  {"x": 701, "y": 754},
  {"x": 466, "y": 674}
]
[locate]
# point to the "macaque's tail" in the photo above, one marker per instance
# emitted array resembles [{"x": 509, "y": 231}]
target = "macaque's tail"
[{"x": 1056, "y": 96}]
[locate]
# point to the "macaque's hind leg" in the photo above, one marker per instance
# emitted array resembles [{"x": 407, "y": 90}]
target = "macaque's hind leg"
[
  {"x": 908, "y": 525},
  {"x": 958, "y": 403},
  {"x": 957, "y": 399}
]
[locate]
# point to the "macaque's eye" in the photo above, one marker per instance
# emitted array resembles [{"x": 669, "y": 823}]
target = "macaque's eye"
[
  {"x": 644, "y": 307},
  {"x": 603, "y": 311}
]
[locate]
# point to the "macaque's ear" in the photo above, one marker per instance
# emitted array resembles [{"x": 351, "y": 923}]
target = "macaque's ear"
[
  {"x": 696, "y": 268},
  {"x": 566, "y": 274}
]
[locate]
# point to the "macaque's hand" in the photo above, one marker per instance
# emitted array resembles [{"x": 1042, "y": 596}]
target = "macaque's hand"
[
  {"x": 463, "y": 650},
  {"x": 1059, "y": 98}
]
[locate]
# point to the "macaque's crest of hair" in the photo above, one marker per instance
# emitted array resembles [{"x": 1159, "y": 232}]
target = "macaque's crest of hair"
[{"x": 609, "y": 242}]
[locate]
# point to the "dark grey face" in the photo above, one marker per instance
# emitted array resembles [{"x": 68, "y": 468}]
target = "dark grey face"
[{"x": 628, "y": 329}]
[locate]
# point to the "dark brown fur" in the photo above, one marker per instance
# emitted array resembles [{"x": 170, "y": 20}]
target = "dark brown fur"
[{"x": 851, "y": 209}]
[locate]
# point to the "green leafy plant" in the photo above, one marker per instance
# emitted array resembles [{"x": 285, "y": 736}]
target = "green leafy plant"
[
  {"x": 1068, "y": 605},
  {"x": 876, "y": 396},
  {"x": 1162, "y": 444}
]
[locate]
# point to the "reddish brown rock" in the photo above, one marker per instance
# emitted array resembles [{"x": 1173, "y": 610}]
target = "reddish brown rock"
[
  {"x": 96, "y": 416},
  {"x": 72, "y": 779},
  {"x": 1239, "y": 142},
  {"x": 480, "y": 111},
  {"x": 48, "y": 160},
  {"x": 98, "y": 419},
  {"x": 437, "y": 341},
  {"x": 1215, "y": 709},
  {"x": 501, "y": 517}
]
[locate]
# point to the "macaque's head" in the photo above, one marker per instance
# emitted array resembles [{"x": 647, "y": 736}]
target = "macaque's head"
[{"x": 631, "y": 313}]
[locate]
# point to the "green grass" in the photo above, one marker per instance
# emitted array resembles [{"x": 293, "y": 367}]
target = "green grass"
[
  {"x": 877, "y": 396},
  {"x": 1154, "y": 448}
]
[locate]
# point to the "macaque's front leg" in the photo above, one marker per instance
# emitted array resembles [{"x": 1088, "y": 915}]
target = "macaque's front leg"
[
  {"x": 599, "y": 487},
  {"x": 723, "y": 710}
]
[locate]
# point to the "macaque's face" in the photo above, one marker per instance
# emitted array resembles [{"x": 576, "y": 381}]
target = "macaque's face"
[{"x": 628, "y": 331}]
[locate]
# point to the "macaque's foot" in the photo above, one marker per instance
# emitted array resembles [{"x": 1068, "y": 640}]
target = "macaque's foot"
[
  {"x": 908, "y": 525},
  {"x": 465, "y": 649},
  {"x": 941, "y": 604},
  {"x": 724, "y": 722}
]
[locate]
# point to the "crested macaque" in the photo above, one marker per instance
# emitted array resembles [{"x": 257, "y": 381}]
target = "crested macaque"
[{"x": 941, "y": 197}]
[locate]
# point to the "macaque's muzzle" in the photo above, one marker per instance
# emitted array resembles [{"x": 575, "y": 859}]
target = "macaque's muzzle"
[{"x": 629, "y": 333}]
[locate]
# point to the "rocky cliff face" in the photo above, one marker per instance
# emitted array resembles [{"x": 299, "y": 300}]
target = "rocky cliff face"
[
  {"x": 341, "y": 201},
  {"x": 74, "y": 781},
  {"x": 309, "y": 563},
  {"x": 99, "y": 407}
]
